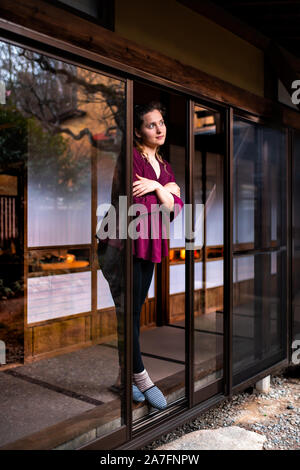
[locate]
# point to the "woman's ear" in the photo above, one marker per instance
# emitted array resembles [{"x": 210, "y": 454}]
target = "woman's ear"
[{"x": 138, "y": 135}]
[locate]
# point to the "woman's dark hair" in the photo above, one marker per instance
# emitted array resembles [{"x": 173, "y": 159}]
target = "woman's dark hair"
[{"x": 139, "y": 111}]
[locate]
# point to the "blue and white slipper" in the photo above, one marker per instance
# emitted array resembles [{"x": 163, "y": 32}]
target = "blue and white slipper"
[
  {"x": 137, "y": 395},
  {"x": 155, "y": 398}
]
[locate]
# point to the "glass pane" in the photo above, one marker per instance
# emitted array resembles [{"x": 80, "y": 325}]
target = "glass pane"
[
  {"x": 258, "y": 306},
  {"x": 243, "y": 188},
  {"x": 177, "y": 244},
  {"x": 209, "y": 244},
  {"x": 259, "y": 239},
  {"x": 61, "y": 156},
  {"x": 175, "y": 285},
  {"x": 258, "y": 193},
  {"x": 296, "y": 241}
]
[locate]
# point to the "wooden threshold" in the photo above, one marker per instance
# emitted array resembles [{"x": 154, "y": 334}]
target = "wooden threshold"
[
  {"x": 13, "y": 365},
  {"x": 69, "y": 433}
]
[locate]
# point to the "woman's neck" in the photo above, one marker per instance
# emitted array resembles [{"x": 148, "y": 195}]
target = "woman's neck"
[{"x": 150, "y": 151}]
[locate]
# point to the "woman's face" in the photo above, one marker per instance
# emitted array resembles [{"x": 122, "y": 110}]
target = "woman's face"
[{"x": 153, "y": 130}]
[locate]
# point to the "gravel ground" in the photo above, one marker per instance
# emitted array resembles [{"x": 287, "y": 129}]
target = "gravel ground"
[{"x": 275, "y": 414}]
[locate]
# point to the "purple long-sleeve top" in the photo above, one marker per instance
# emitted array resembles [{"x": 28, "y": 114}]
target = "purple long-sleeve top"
[{"x": 153, "y": 246}]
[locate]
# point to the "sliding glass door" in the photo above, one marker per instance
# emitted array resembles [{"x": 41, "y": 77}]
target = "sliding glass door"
[
  {"x": 208, "y": 252},
  {"x": 259, "y": 248},
  {"x": 296, "y": 248}
]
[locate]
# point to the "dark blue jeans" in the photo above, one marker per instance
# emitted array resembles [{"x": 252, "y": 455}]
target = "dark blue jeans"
[
  {"x": 111, "y": 261},
  {"x": 142, "y": 276}
]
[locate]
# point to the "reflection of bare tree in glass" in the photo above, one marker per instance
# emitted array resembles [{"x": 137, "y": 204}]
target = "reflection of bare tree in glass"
[
  {"x": 55, "y": 97},
  {"x": 54, "y": 91}
]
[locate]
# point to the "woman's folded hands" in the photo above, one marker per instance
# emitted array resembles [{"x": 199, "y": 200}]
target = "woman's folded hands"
[{"x": 143, "y": 186}]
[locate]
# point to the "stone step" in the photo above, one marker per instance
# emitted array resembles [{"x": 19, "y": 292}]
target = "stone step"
[{"x": 226, "y": 438}]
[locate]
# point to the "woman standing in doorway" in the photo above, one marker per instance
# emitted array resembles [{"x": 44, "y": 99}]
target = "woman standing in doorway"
[{"x": 153, "y": 186}]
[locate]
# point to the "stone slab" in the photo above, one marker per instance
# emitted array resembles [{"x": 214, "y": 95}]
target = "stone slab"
[
  {"x": 226, "y": 438},
  {"x": 27, "y": 408}
]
